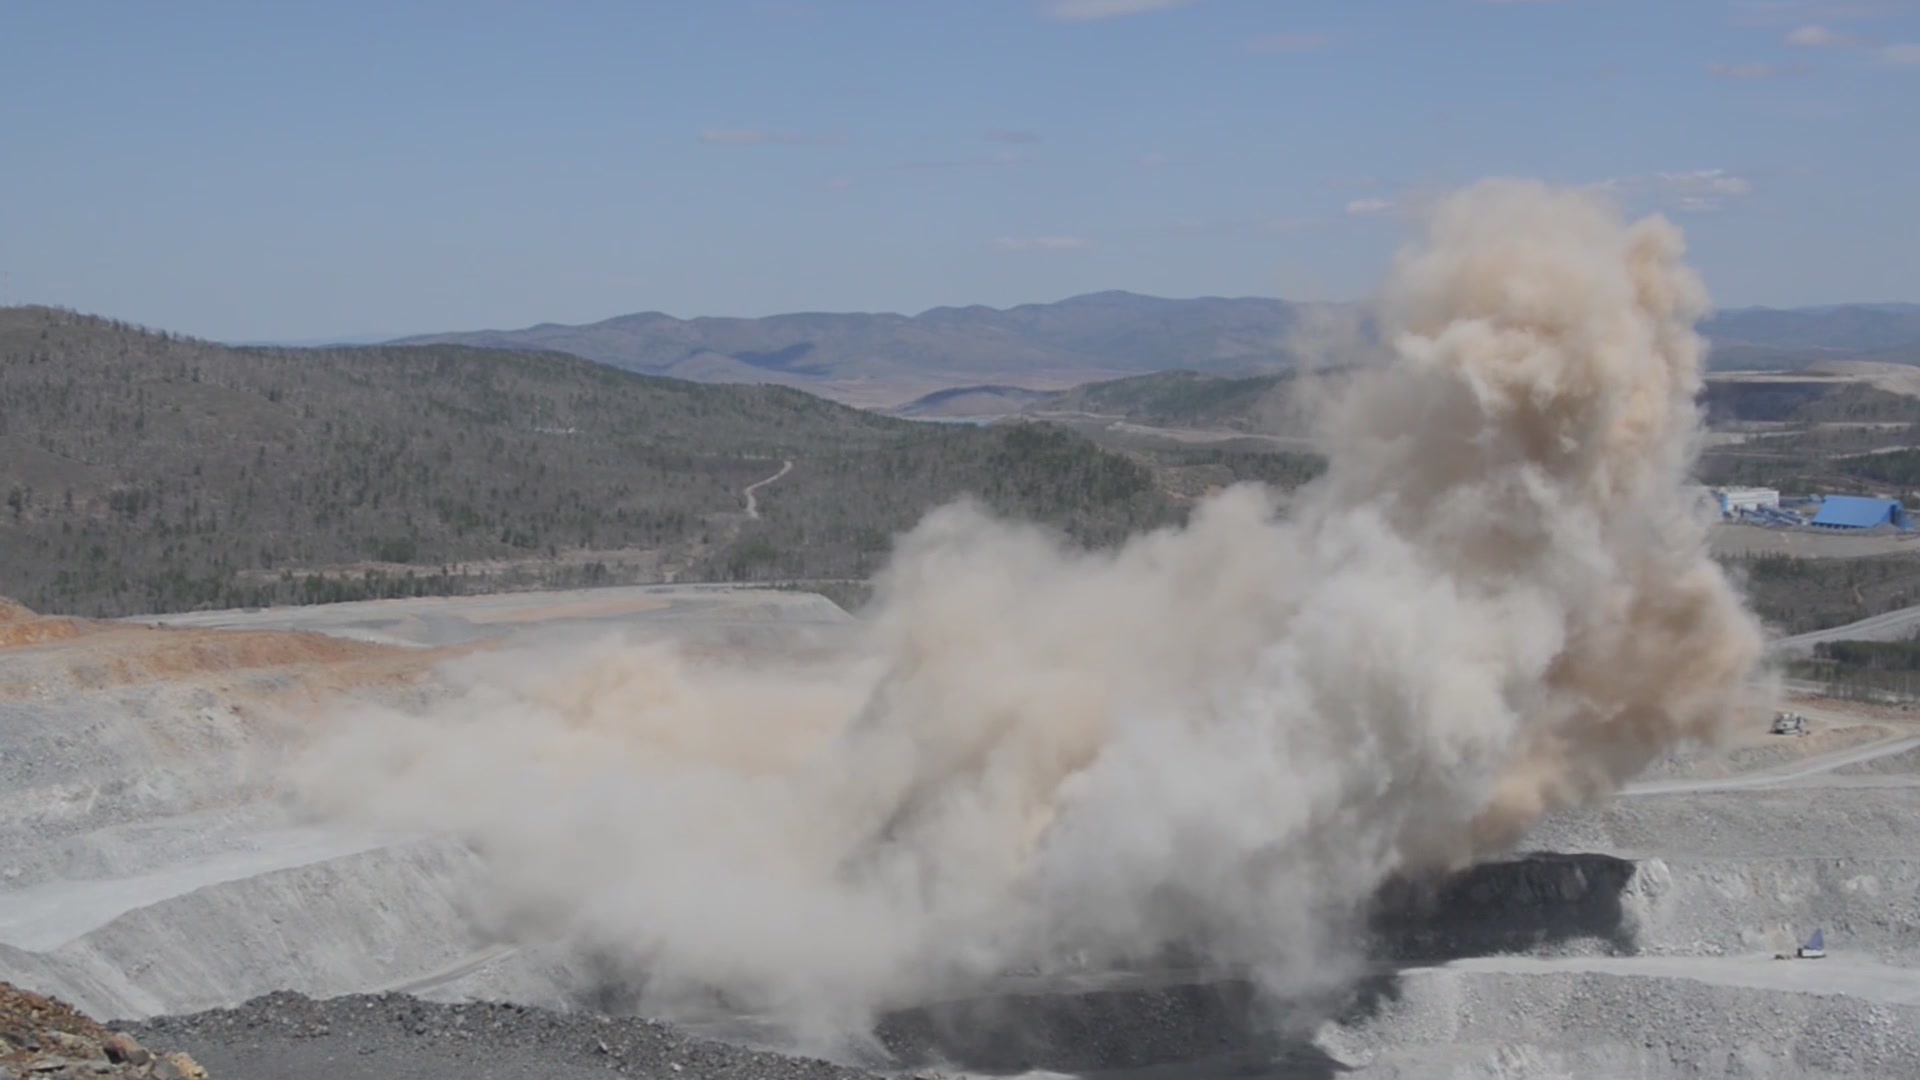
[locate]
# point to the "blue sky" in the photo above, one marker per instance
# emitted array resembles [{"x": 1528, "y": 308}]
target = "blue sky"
[{"x": 249, "y": 170}]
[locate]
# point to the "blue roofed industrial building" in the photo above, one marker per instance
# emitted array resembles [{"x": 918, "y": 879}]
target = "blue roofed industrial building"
[{"x": 1856, "y": 512}]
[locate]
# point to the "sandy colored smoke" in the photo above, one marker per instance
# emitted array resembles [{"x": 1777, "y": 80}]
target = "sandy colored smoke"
[{"x": 1219, "y": 739}]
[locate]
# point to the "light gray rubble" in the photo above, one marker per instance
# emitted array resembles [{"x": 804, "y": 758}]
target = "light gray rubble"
[{"x": 1526, "y": 1017}]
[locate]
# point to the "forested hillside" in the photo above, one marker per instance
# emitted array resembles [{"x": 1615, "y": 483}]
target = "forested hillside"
[
  {"x": 147, "y": 472},
  {"x": 1184, "y": 399}
]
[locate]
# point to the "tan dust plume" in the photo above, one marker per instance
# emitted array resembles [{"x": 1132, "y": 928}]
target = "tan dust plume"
[{"x": 1218, "y": 739}]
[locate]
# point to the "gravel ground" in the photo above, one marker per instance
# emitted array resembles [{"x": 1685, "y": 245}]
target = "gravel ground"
[
  {"x": 1451, "y": 1024},
  {"x": 286, "y": 1036},
  {"x": 1780, "y": 823},
  {"x": 1473, "y": 1020},
  {"x": 1904, "y": 764},
  {"x": 1775, "y": 751}
]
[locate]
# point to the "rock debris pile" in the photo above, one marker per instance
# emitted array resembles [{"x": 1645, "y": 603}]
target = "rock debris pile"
[
  {"x": 289, "y": 1036},
  {"x": 42, "y": 1038}
]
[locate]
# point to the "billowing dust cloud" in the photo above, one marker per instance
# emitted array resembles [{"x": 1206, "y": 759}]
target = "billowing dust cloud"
[{"x": 1215, "y": 742}]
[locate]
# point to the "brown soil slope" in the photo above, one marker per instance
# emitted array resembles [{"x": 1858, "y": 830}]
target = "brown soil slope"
[{"x": 39, "y": 655}]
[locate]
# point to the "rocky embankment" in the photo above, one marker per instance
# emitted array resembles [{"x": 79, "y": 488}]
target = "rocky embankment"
[{"x": 42, "y": 1038}]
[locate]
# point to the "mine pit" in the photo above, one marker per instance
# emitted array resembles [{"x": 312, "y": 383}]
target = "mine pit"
[{"x": 149, "y": 876}]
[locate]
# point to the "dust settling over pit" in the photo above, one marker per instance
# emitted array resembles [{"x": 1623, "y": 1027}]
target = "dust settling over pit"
[{"x": 1216, "y": 742}]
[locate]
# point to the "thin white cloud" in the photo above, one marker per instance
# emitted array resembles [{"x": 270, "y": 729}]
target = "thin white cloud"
[
  {"x": 1710, "y": 183},
  {"x": 839, "y": 183},
  {"x": 1370, "y": 208},
  {"x": 1012, "y": 136},
  {"x": 760, "y": 137},
  {"x": 1817, "y": 37},
  {"x": 1041, "y": 243},
  {"x": 743, "y": 137},
  {"x": 1006, "y": 159},
  {"x": 1281, "y": 44},
  {"x": 787, "y": 9},
  {"x": 1283, "y": 224},
  {"x": 1782, "y": 12},
  {"x": 1151, "y": 161},
  {"x": 1094, "y": 10},
  {"x": 1248, "y": 225},
  {"x": 1692, "y": 191},
  {"x": 1752, "y": 72}
]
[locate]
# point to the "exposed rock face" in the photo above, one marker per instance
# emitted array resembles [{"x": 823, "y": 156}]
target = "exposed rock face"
[
  {"x": 1543, "y": 902},
  {"x": 44, "y": 1039}
]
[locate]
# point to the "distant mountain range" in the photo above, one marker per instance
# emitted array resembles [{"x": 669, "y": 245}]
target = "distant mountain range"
[
  {"x": 889, "y": 360},
  {"x": 885, "y": 359},
  {"x": 1176, "y": 399}
]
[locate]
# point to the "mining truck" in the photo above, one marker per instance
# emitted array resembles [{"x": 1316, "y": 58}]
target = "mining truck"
[{"x": 1814, "y": 949}]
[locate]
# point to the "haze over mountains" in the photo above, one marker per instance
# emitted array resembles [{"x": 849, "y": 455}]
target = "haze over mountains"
[{"x": 887, "y": 360}]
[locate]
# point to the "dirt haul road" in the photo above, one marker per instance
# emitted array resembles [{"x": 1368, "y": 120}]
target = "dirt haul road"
[
  {"x": 1864, "y": 979},
  {"x": 443, "y": 621},
  {"x": 752, "y": 491},
  {"x": 1814, "y": 772},
  {"x": 1887, "y": 626}
]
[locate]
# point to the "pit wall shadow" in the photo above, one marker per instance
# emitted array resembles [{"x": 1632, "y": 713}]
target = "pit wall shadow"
[
  {"x": 1221, "y": 1026},
  {"x": 1529, "y": 903}
]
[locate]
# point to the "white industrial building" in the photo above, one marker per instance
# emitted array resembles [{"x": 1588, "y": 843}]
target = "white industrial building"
[{"x": 1735, "y": 499}]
